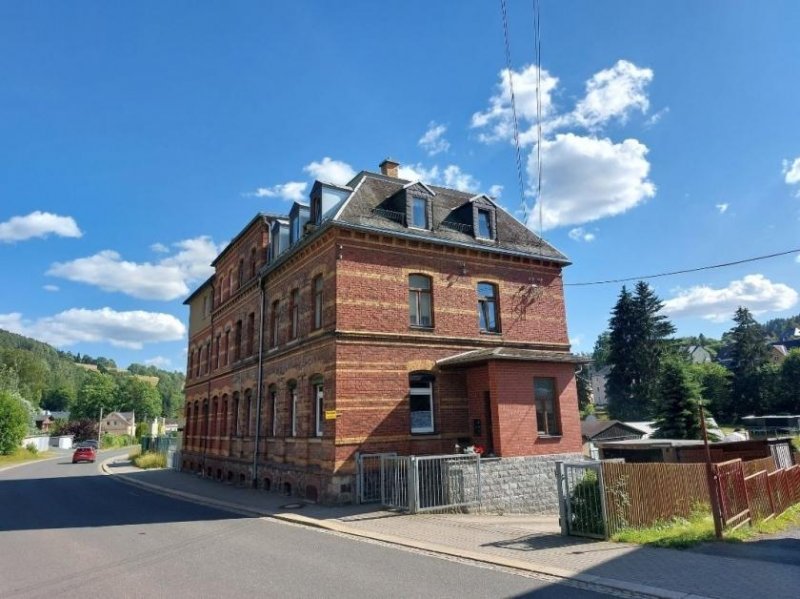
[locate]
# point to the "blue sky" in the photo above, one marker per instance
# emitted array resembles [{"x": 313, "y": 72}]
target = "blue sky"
[{"x": 136, "y": 138}]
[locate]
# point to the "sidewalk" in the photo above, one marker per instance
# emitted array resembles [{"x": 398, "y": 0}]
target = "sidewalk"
[{"x": 529, "y": 543}]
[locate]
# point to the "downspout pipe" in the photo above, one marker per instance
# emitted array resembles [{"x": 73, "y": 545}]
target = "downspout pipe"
[{"x": 259, "y": 393}]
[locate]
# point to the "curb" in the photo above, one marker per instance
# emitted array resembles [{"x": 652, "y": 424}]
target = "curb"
[{"x": 597, "y": 581}]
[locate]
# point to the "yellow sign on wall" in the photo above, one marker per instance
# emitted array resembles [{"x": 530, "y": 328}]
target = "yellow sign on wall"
[{"x": 330, "y": 414}]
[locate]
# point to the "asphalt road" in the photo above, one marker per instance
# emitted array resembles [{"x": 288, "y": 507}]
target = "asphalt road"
[{"x": 68, "y": 531}]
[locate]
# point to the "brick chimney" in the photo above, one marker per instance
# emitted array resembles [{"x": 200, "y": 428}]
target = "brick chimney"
[{"x": 389, "y": 168}]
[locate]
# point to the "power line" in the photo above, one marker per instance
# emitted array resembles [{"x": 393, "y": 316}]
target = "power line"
[
  {"x": 520, "y": 178},
  {"x": 687, "y": 270}
]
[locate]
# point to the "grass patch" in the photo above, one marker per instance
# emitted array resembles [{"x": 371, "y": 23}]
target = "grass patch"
[
  {"x": 133, "y": 453},
  {"x": 22, "y": 455},
  {"x": 150, "y": 460},
  {"x": 677, "y": 533},
  {"x": 682, "y": 533}
]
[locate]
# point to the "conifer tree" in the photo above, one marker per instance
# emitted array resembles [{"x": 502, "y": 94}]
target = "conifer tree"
[
  {"x": 748, "y": 356},
  {"x": 677, "y": 413}
]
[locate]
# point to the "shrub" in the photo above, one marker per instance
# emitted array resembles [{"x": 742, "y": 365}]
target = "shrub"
[
  {"x": 150, "y": 460},
  {"x": 586, "y": 506},
  {"x": 13, "y": 421},
  {"x": 133, "y": 453},
  {"x": 31, "y": 448}
]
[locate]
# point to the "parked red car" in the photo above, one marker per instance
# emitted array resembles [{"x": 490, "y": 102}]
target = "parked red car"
[{"x": 84, "y": 454}]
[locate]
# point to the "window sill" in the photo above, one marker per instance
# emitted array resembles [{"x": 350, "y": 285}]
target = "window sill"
[
  {"x": 419, "y": 327},
  {"x": 544, "y": 436},
  {"x": 315, "y": 439},
  {"x": 420, "y": 434},
  {"x": 492, "y": 333}
]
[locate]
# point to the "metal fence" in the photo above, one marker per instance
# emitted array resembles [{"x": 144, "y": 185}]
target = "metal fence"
[
  {"x": 368, "y": 476},
  {"x": 430, "y": 483},
  {"x": 582, "y": 504}
]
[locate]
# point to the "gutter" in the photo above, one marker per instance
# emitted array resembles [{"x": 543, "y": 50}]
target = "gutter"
[{"x": 259, "y": 393}]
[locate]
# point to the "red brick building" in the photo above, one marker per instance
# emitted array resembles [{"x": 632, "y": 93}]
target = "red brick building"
[{"x": 386, "y": 315}]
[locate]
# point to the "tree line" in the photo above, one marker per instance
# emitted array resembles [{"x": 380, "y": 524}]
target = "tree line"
[
  {"x": 49, "y": 379},
  {"x": 651, "y": 376}
]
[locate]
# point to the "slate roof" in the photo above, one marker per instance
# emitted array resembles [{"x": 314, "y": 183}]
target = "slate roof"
[
  {"x": 478, "y": 356},
  {"x": 364, "y": 208},
  {"x": 592, "y": 428}
]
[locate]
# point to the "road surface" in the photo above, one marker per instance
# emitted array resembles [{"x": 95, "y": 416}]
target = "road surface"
[{"x": 68, "y": 531}]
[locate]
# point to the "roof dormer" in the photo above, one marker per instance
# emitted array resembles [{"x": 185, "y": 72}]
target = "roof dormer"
[
  {"x": 484, "y": 217},
  {"x": 418, "y": 205},
  {"x": 326, "y": 199},
  {"x": 278, "y": 238},
  {"x": 298, "y": 217}
]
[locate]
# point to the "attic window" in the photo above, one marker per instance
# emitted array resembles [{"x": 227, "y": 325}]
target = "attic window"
[
  {"x": 419, "y": 213},
  {"x": 484, "y": 224}
]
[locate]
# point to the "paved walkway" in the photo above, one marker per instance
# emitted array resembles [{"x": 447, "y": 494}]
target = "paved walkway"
[{"x": 530, "y": 543}]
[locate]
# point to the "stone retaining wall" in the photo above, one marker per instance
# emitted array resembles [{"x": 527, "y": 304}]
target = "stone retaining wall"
[{"x": 524, "y": 485}]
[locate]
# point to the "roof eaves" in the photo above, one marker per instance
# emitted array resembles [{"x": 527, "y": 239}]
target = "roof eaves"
[
  {"x": 259, "y": 216},
  {"x": 194, "y": 293},
  {"x": 449, "y": 242}
]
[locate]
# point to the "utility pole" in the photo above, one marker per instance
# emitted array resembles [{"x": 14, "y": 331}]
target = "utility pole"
[{"x": 99, "y": 427}]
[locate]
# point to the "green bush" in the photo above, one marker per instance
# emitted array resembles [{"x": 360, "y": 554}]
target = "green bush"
[
  {"x": 586, "y": 506},
  {"x": 150, "y": 460},
  {"x": 109, "y": 441},
  {"x": 31, "y": 448},
  {"x": 13, "y": 421}
]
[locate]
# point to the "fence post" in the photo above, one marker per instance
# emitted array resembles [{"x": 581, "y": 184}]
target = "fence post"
[
  {"x": 562, "y": 512},
  {"x": 358, "y": 477},
  {"x": 601, "y": 481},
  {"x": 411, "y": 476},
  {"x": 480, "y": 490}
]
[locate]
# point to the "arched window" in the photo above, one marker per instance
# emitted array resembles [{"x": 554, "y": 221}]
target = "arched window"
[
  {"x": 273, "y": 406},
  {"x": 240, "y": 272},
  {"x": 235, "y": 414},
  {"x": 253, "y": 262},
  {"x": 488, "y": 320},
  {"x": 293, "y": 408},
  {"x": 420, "y": 301},
  {"x": 224, "y": 415},
  {"x": 317, "y": 289},
  {"x": 215, "y": 417},
  {"x": 188, "y": 425},
  {"x": 248, "y": 413},
  {"x": 421, "y": 402},
  {"x": 319, "y": 405}
]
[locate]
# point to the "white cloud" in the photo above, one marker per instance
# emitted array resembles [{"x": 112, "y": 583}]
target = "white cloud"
[
  {"x": 330, "y": 171},
  {"x": 755, "y": 292},
  {"x": 579, "y": 234},
  {"x": 723, "y": 208},
  {"x": 159, "y": 248},
  {"x": 576, "y": 341},
  {"x": 292, "y": 191},
  {"x": 50, "y": 287},
  {"x": 159, "y": 362},
  {"x": 496, "y": 191},
  {"x": 38, "y": 224},
  {"x": 655, "y": 118},
  {"x": 450, "y": 176},
  {"x": 433, "y": 141},
  {"x": 78, "y": 325},
  {"x": 589, "y": 178},
  {"x": 167, "y": 279},
  {"x": 496, "y": 122},
  {"x": 613, "y": 94},
  {"x": 791, "y": 171}
]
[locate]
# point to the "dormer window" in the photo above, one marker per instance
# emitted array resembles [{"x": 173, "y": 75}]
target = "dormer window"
[
  {"x": 484, "y": 224},
  {"x": 419, "y": 213}
]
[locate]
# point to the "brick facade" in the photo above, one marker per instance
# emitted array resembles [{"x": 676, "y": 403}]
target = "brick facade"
[{"x": 254, "y": 341}]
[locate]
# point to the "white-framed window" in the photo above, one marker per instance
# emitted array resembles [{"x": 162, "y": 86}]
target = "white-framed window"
[
  {"x": 421, "y": 403},
  {"x": 319, "y": 408},
  {"x": 420, "y": 304},
  {"x": 544, "y": 390},
  {"x": 295, "y": 312},
  {"x": 419, "y": 213},
  {"x": 293, "y": 403},
  {"x": 487, "y": 308}
]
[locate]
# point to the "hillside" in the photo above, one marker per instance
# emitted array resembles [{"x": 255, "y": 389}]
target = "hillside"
[{"x": 58, "y": 380}]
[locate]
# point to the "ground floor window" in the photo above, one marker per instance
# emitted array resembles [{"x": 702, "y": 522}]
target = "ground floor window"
[
  {"x": 293, "y": 406},
  {"x": 421, "y": 403},
  {"x": 319, "y": 408},
  {"x": 544, "y": 390}
]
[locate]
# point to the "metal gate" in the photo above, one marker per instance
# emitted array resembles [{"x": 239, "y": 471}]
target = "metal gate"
[
  {"x": 368, "y": 476},
  {"x": 581, "y": 496},
  {"x": 430, "y": 483}
]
